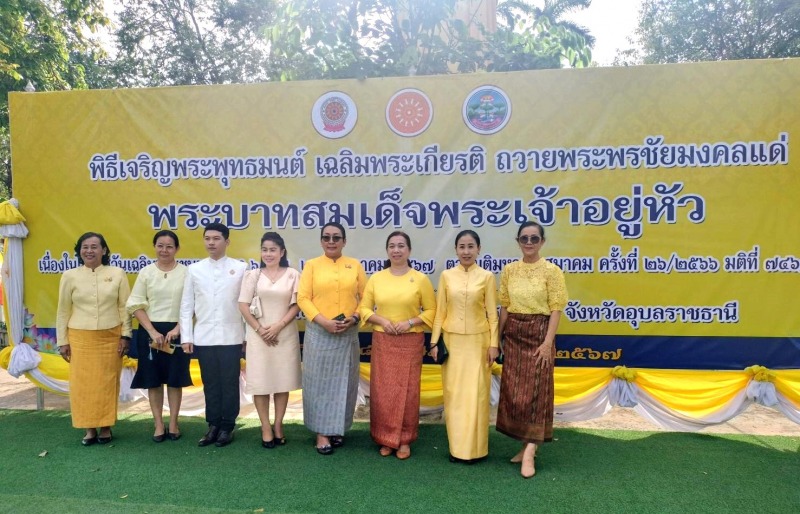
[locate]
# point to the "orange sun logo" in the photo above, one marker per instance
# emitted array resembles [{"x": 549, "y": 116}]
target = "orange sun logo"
[{"x": 409, "y": 112}]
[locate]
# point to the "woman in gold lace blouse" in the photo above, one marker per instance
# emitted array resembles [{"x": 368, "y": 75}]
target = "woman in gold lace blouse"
[{"x": 532, "y": 295}]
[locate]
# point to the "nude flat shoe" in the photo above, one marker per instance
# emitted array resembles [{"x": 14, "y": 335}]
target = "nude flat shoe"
[{"x": 403, "y": 455}]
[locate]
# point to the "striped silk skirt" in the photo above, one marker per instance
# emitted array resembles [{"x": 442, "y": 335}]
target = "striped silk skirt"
[
  {"x": 395, "y": 370},
  {"x": 330, "y": 379},
  {"x": 94, "y": 371},
  {"x": 526, "y": 391}
]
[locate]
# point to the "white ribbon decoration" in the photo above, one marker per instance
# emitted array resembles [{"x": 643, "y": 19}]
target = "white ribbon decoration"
[{"x": 623, "y": 393}]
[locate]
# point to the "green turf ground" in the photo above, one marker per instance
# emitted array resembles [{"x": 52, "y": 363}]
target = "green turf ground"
[{"x": 584, "y": 471}]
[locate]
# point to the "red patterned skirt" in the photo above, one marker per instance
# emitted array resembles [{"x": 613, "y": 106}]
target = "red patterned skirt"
[
  {"x": 396, "y": 366},
  {"x": 526, "y": 391}
]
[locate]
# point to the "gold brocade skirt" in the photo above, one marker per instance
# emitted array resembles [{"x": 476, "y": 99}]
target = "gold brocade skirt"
[
  {"x": 467, "y": 381},
  {"x": 94, "y": 372}
]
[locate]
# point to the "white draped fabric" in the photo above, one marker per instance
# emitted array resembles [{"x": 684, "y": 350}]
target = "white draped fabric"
[{"x": 23, "y": 357}]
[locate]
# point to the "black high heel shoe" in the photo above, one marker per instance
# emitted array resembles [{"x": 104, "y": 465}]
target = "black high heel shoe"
[
  {"x": 280, "y": 441},
  {"x": 269, "y": 444}
]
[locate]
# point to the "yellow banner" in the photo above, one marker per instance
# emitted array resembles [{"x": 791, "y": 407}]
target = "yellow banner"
[{"x": 667, "y": 192}]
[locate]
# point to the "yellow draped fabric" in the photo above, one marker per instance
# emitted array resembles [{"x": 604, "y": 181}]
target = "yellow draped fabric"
[
  {"x": 575, "y": 383},
  {"x": 696, "y": 394},
  {"x": 787, "y": 383},
  {"x": 692, "y": 393},
  {"x": 10, "y": 215}
]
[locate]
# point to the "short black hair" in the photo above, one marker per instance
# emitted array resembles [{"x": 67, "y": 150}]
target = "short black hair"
[
  {"x": 167, "y": 233},
  {"x": 334, "y": 225},
  {"x": 527, "y": 224},
  {"x": 388, "y": 263},
  {"x": 106, "y": 252},
  {"x": 219, "y": 227}
]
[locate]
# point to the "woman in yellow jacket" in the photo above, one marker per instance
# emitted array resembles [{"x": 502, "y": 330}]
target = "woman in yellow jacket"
[
  {"x": 331, "y": 286},
  {"x": 93, "y": 329},
  {"x": 466, "y": 314},
  {"x": 398, "y": 302}
]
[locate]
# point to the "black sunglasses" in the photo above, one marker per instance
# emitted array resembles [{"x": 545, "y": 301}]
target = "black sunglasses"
[
  {"x": 532, "y": 239},
  {"x": 328, "y": 239}
]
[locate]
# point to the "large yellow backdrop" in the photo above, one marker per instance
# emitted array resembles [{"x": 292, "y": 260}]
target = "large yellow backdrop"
[{"x": 669, "y": 193}]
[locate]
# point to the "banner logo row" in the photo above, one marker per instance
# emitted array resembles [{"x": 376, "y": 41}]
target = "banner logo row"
[{"x": 409, "y": 112}]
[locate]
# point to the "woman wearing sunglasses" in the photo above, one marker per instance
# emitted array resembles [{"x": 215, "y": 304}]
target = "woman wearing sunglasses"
[
  {"x": 155, "y": 301},
  {"x": 331, "y": 287},
  {"x": 532, "y": 295}
]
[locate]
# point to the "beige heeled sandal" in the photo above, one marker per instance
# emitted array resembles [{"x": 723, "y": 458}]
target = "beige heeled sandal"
[{"x": 528, "y": 468}]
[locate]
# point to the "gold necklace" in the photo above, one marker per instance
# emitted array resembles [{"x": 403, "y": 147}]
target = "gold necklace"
[
  {"x": 270, "y": 277},
  {"x": 166, "y": 272}
]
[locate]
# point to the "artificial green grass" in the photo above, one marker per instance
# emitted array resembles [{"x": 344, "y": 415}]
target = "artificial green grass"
[{"x": 583, "y": 471}]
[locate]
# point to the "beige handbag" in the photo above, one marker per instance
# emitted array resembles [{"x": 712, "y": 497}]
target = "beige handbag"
[
  {"x": 255, "y": 307},
  {"x": 255, "y": 303}
]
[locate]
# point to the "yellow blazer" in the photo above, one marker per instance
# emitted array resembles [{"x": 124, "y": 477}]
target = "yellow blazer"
[{"x": 466, "y": 303}]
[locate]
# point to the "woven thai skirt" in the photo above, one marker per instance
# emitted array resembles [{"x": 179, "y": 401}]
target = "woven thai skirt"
[
  {"x": 526, "y": 391},
  {"x": 330, "y": 379},
  {"x": 94, "y": 371},
  {"x": 395, "y": 370}
]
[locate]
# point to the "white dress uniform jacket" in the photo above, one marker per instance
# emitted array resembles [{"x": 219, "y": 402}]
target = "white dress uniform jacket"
[{"x": 211, "y": 296}]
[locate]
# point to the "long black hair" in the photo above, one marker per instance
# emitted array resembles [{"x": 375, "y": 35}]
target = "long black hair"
[
  {"x": 468, "y": 232},
  {"x": 278, "y": 240}
]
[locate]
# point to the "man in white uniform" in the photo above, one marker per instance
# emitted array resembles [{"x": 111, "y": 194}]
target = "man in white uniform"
[{"x": 210, "y": 296}]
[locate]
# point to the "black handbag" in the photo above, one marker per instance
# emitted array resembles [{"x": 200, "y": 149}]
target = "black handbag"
[{"x": 441, "y": 352}]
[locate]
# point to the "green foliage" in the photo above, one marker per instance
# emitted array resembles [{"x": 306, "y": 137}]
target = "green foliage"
[
  {"x": 673, "y": 31},
  {"x": 529, "y": 37},
  {"x": 181, "y": 42},
  {"x": 376, "y": 38},
  {"x": 44, "y": 42}
]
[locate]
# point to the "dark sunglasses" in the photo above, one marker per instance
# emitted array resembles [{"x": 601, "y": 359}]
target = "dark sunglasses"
[
  {"x": 328, "y": 239},
  {"x": 532, "y": 240}
]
